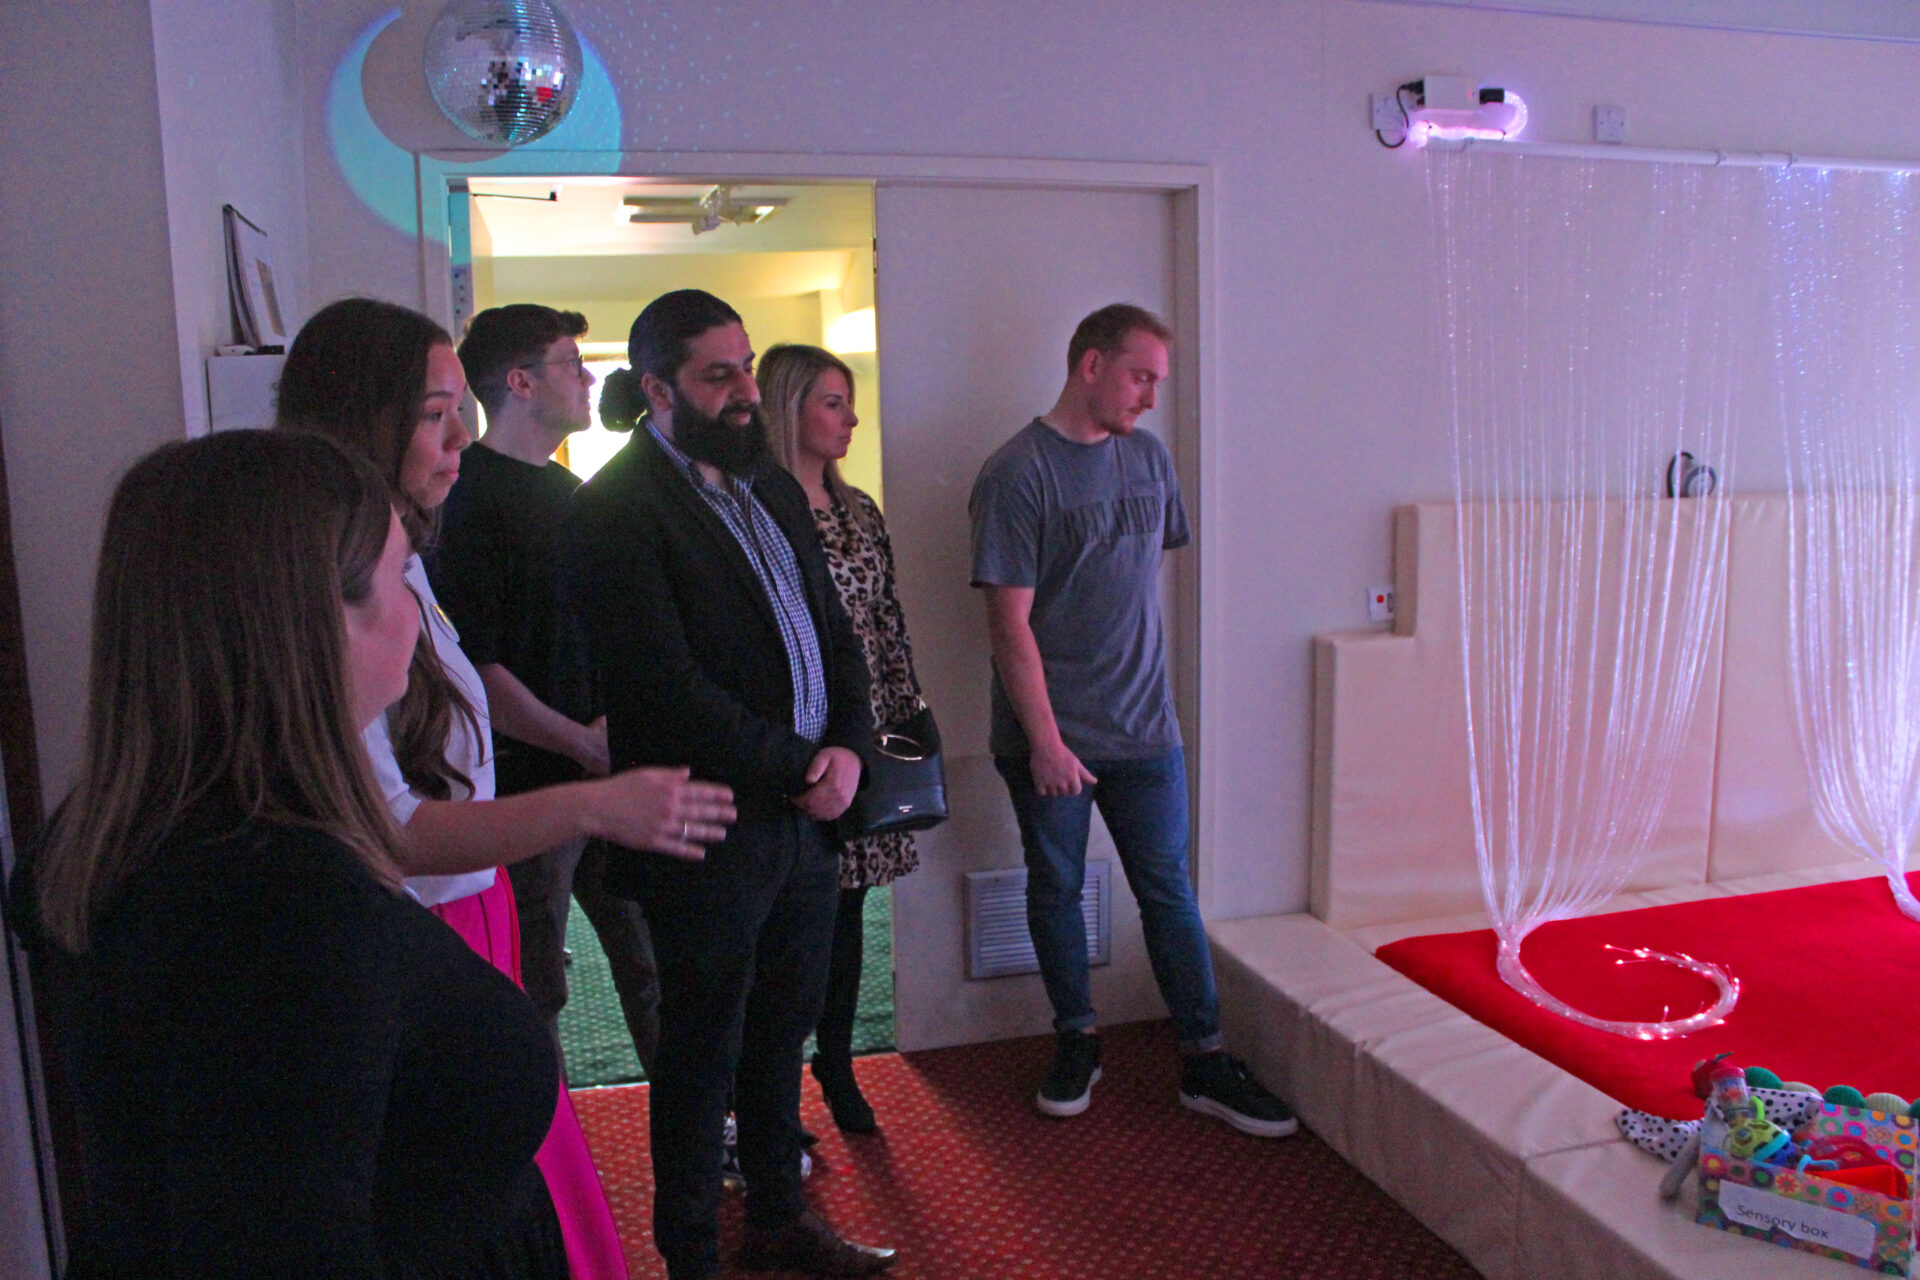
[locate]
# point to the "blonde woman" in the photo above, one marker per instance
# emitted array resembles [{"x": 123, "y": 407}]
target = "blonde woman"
[
  {"x": 281, "y": 1065},
  {"x": 807, "y": 398}
]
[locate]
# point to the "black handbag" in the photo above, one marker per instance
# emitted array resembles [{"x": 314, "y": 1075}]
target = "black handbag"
[{"x": 904, "y": 787}]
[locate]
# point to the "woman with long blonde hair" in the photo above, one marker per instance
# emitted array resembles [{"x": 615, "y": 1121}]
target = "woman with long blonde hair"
[
  {"x": 806, "y": 396},
  {"x": 253, "y": 1018}
]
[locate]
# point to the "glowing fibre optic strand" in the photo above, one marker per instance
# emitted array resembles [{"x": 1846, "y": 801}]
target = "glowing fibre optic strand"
[
  {"x": 1500, "y": 121},
  {"x": 1585, "y": 348},
  {"x": 1667, "y": 1028},
  {"x": 1847, "y": 354}
]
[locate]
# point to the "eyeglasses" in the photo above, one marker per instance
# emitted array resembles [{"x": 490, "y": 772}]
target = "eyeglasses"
[{"x": 577, "y": 363}]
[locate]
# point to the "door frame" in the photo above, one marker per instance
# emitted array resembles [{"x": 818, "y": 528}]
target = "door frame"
[{"x": 1198, "y": 680}]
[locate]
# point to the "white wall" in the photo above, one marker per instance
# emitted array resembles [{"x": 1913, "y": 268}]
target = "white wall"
[
  {"x": 1326, "y": 413},
  {"x": 230, "y": 129},
  {"x": 113, "y": 279},
  {"x": 89, "y": 367}
]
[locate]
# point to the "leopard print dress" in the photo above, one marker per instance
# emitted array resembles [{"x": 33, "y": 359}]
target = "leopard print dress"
[{"x": 862, "y": 564}]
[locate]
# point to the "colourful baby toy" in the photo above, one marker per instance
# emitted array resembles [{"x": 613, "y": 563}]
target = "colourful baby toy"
[{"x": 1756, "y": 1138}]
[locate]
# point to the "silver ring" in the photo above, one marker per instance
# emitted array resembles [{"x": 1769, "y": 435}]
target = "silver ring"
[{"x": 683, "y": 831}]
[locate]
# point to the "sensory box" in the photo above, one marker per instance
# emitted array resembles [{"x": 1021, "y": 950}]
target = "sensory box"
[{"x": 1808, "y": 1212}]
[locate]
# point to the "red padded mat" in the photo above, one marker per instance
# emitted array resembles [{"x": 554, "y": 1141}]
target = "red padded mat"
[{"x": 1826, "y": 980}]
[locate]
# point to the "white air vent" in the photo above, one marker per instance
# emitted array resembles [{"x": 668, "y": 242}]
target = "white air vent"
[{"x": 998, "y": 943}]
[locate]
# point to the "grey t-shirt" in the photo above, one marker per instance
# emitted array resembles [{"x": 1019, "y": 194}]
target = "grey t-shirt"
[{"x": 1084, "y": 525}]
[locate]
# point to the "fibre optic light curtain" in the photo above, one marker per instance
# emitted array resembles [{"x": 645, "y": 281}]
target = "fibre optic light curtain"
[
  {"x": 1590, "y": 316},
  {"x": 1848, "y": 361}
]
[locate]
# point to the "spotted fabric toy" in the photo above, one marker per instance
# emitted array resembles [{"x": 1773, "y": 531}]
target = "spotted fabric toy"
[
  {"x": 1780, "y": 1107},
  {"x": 1665, "y": 1138}
]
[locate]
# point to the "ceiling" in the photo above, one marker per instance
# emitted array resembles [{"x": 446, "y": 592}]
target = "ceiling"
[
  {"x": 1897, "y": 20},
  {"x": 522, "y": 222}
]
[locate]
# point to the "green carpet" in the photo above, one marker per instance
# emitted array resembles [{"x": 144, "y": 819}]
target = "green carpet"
[{"x": 599, "y": 1050}]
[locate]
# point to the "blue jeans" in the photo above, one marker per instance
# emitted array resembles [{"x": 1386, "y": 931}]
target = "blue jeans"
[{"x": 1144, "y": 803}]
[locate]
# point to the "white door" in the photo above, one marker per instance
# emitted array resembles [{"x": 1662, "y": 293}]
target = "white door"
[
  {"x": 28, "y": 1216},
  {"x": 978, "y": 290}
]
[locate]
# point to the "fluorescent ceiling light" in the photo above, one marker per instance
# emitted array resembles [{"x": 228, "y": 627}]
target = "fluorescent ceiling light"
[{"x": 702, "y": 213}]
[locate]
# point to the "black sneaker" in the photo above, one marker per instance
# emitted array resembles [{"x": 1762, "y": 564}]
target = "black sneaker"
[
  {"x": 1218, "y": 1085},
  {"x": 1076, "y": 1065},
  {"x": 730, "y": 1174}
]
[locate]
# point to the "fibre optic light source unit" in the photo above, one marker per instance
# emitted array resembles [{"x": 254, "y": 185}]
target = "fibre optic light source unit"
[{"x": 1450, "y": 108}]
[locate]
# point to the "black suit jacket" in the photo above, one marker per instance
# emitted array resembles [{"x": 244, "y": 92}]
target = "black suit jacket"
[{"x": 692, "y": 667}]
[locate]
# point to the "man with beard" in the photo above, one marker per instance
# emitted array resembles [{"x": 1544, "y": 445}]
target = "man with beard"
[{"x": 721, "y": 645}]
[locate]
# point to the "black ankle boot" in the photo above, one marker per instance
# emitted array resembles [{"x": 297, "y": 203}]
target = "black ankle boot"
[{"x": 851, "y": 1114}]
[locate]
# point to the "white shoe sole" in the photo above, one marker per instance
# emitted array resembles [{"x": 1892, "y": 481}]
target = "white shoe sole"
[
  {"x": 1245, "y": 1124},
  {"x": 1072, "y": 1106}
]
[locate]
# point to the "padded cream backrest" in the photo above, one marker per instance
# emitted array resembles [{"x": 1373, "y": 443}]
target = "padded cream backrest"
[{"x": 1393, "y": 834}]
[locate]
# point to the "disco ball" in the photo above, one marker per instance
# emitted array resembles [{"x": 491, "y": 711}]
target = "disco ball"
[{"x": 505, "y": 71}]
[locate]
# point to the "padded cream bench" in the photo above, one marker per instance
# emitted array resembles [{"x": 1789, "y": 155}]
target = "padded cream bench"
[{"x": 1511, "y": 1160}]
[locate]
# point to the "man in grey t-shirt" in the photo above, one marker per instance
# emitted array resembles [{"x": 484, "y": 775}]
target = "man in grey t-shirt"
[{"x": 1070, "y": 520}]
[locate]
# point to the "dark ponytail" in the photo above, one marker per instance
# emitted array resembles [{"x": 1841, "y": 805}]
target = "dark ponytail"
[
  {"x": 657, "y": 344},
  {"x": 622, "y": 403}
]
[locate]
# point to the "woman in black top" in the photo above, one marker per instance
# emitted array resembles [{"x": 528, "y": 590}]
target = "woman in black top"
[{"x": 280, "y": 1065}]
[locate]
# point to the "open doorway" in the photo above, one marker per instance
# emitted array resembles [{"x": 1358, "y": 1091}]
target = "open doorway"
[
  {"x": 796, "y": 260},
  {"x": 987, "y": 265},
  {"x": 801, "y": 271}
]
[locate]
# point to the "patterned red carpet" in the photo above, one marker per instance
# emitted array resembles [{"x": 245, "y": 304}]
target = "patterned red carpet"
[{"x": 970, "y": 1183}]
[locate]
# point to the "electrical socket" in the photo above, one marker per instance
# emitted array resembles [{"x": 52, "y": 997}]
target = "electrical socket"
[
  {"x": 1380, "y": 604},
  {"x": 1386, "y": 113},
  {"x": 1609, "y": 124}
]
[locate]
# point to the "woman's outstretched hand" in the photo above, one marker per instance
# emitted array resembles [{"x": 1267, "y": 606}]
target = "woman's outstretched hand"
[{"x": 663, "y": 810}]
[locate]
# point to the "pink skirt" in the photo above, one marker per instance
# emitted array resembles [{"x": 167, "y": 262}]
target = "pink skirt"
[{"x": 488, "y": 923}]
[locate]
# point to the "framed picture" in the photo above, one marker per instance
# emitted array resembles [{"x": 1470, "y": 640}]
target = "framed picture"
[{"x": 257, "y": 316}]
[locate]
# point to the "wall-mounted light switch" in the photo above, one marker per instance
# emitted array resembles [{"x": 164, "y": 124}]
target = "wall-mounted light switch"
[{"x": 1380, "y": 604}]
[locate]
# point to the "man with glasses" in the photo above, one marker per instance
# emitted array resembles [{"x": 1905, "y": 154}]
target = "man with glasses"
[{"x": 493, "y": 571}]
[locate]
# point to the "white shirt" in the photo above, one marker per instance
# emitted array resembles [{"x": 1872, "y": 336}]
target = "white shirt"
[{"x": 468, "y": 752}]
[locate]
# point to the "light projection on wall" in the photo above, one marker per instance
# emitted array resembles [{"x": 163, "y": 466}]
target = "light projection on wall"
[{"x": 380, "y": 172}]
